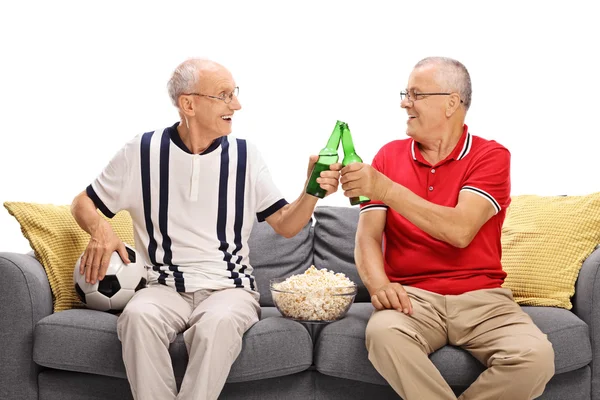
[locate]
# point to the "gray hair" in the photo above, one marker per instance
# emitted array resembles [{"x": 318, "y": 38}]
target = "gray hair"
[
  {"x": 186, "y": 76},
  {"x": 453, "y": 75}
]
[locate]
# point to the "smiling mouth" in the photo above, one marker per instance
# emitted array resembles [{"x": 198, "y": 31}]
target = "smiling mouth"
[{"x": 227, "y": 118}]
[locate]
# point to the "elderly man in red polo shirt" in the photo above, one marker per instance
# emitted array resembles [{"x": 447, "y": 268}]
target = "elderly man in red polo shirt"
[{"x": 438, "y": 201}]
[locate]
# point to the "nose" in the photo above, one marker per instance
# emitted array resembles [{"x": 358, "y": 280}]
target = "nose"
[
  {"x": 234, "y": 104},
  {"x": 405, "y": 103}
]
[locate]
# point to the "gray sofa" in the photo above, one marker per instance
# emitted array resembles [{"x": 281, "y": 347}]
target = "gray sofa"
[{"x": 75, "y": 354}]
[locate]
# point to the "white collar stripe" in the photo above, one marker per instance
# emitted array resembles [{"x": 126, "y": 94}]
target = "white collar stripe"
[
  {"x": 483, "y": 194},
  {"x": 466, "y": 147}
]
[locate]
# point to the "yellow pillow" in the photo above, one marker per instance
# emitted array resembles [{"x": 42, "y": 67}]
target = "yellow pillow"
[
  {"x": 545, "y": 240},
  {"x": 58, "y": 242}
]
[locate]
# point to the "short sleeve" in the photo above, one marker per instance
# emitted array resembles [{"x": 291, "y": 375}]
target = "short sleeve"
[
  {"x": 379, "y": 165},
  {"x": 489, "y": 177},
  {"x": 107, "y": 190},
  {"x": 268, "y": 197}
]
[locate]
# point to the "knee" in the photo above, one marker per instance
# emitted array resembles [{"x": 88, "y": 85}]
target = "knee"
[
  {"x": 380, "y": 332},
  {"x": 222, "y": 322},
  {"x": 535, "y": 358},
  {"x": 542, "y": 358},
  {"x": 140, "y": 318}
]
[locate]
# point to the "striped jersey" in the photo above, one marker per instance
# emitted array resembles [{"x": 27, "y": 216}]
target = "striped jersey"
[{"x": 192, "y": 213}]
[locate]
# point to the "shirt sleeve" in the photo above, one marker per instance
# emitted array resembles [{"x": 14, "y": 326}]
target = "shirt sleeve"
[
  {"x": 379, "y": 165},
  {"x": 268, "y": 197},
  {"x": 108, "y": 190},
  {"x": 489, "y": 178}
]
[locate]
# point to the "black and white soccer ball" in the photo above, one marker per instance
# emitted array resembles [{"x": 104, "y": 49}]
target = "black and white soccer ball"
[{"x": 118, "y": 286}]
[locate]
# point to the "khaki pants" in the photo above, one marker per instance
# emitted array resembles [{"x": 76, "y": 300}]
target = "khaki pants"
[
  {"x": 213, "y": 323},
  {"x": 487, "y": 323}
]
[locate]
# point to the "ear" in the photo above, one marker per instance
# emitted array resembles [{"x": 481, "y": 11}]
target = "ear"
[
  {"x": 186, "y": 105},
  {"x": 452, "y": 104}
]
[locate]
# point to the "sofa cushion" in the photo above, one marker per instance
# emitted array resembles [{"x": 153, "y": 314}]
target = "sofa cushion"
[
  {"x": 340, "y": 348},
  {"x": 273, "y": 256},
  {"x": 545, "y": 240},
  {"x": 86, "y": 341},
  {"x": 58, "y": 242},
  {"x": 335, "y": 229}
]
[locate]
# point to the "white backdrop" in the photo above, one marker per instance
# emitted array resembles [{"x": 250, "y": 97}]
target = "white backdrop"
[{"x": 78, "y": 79}]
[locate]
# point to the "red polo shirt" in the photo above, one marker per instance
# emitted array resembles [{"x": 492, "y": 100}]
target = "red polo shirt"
[{"x": 413, "y": 257}]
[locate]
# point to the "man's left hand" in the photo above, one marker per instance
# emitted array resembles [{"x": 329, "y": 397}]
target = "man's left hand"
[{"x": 359, "y": 179}]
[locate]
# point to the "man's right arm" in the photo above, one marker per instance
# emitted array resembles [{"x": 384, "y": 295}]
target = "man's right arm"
[
  {"x": 368, "y": 255},
  {"x": 103, "y": 240}
]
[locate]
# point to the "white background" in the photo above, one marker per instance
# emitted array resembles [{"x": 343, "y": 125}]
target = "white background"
[{"x": 78, "y": 79}]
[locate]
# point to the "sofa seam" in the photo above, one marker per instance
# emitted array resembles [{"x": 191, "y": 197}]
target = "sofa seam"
[
  {"x": 85, "y": 369},
  {"x": 354, "y": 377},
  {"x": 54, "y": 324},
  {"x": 567, "y": 328},
  {"x": 287, "y": 369}
]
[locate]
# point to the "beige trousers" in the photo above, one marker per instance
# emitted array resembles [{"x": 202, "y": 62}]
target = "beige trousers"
[
  {"x": 212, "y": 322},
  {"x": 487, "y": 323}
]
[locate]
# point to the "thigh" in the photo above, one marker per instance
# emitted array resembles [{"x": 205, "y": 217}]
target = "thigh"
[
  {"x": 489, "y": 324},
  {"x": 426, "y": 326},
  {"x": 158, "y": 303},
  {"x": 237, "y": 305}
]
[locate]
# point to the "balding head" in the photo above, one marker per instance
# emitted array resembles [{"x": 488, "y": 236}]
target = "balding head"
[
  {"x": 451, "y": 75},
  {"x": 186, "y": 76}
]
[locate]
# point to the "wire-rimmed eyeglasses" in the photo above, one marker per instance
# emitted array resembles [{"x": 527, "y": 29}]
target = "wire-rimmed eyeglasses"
[
  {"x": 413, "y": 95},
  {"x": 226, "y": 98}
]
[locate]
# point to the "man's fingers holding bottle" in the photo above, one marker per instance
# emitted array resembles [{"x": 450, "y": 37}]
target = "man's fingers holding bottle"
[{"x": 329, "y": 180}]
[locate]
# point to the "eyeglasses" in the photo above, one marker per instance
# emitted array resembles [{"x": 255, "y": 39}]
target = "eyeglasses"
[
  {"x": 226, "y": 98},
  {"x": 412, "y": 95}
]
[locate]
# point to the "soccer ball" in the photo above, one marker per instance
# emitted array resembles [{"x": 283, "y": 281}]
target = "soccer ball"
[{"x": 118, "y": 286}]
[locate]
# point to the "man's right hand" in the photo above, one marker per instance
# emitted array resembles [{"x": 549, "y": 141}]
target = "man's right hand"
[
  {"x": 95, "y": 259},
  {"x": 392, "y": 296}
]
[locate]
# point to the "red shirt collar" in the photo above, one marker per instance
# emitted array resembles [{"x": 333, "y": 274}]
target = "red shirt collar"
[{"x": 462, "y": 148}]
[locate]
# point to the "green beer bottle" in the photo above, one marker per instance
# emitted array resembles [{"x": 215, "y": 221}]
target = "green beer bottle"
[
  {"x": 350, "y": 157},
  {"x": 327, "y": 156}
]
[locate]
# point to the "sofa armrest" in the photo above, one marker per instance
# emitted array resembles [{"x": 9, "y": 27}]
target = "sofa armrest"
[
  {"x": 25, "y": 298},
  {"x": 586, "y": 305}
]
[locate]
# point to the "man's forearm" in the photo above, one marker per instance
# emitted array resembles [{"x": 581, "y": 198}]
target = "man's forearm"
[
  {"x": 295, "y": 216},
  {"x": 84, "y": 211},
  {"x": 369, "y": 263},
  {"x": 440, "y": 222}
]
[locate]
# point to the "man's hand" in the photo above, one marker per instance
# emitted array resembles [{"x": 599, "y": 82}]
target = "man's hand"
[
  {"x": 360, "y": 179},
  {"x": 329, "y": 180},
  {"x": 392, "y": 296},
  {"x": 95, "y": 259}
]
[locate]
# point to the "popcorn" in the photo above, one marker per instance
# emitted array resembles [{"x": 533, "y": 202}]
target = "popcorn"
[{"x": 316, "y": 295}]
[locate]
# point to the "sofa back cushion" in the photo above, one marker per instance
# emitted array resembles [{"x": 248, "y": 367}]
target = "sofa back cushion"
[
  {"x": 273, "y": 256},
  {"x": 335, "y": 230}
]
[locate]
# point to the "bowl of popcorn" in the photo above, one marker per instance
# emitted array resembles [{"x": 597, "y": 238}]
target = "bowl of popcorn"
[{"x": 316, "y": 296}]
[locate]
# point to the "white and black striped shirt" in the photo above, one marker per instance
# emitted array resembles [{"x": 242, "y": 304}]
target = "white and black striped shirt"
[{"x": 192, "y": 213}]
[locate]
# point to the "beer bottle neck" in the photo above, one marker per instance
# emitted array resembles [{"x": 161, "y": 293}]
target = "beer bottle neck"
[
  {"x": 334, "y": 140},
  {"x": 347, "y": 142}
]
